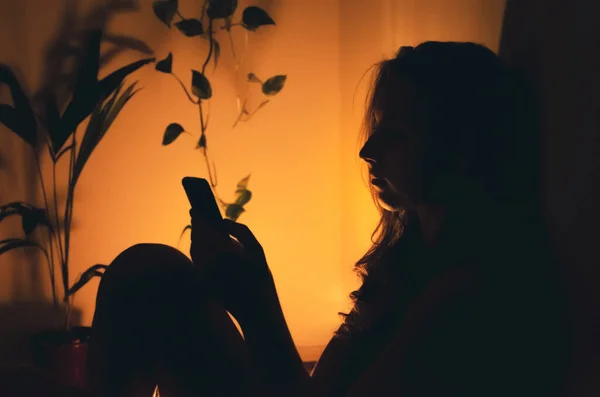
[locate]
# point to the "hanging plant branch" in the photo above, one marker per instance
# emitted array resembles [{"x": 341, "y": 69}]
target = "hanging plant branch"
[{"x": 201, "y": 91}]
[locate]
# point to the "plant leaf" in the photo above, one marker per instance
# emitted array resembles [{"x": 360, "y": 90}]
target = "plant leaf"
[
  {"x": 221, "y": 8},
  {"x": 165, "y": 11},
  {"x": 172, "y": 133},
  {"x": 81, "y": 107},
  {"x": 274, "y": 85},
  {"x": 190, "y": 27},
  {"x": 94, "y": 271},
  {"x": 233, "y": 211},
  {"x": 111, "y": 82},
  {"x": 200, "y": 85},
  {"x": 243, "y": 196},
  {"x": 216, "y": 51},
  {"x": 13, "y": 243},
  {"x": 252, "y": 78},
  {"x": 100, "y": 122},
  {"x": 85, "y": 94},
  {"x": 31, "y": 216},
  {"x": 165, "y": 65},
  {"x": 255, "y": 17},
  {"x": 31, "y": 219},
  {"x": 243, "y": 183},
  {"x": 201, "y": 142},
  {"x": 19, "y": 118}
]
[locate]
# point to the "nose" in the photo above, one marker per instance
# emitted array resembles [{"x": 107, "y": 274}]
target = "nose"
[{"x": 367, "y": 152}]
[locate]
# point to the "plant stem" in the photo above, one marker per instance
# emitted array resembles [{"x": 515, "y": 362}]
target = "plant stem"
[
  {"x": 51, "y": 236},
  {"x": 184, "y": 88},
  {"x": 56, "y": 215},
  {"x": 68, "y": 217}
]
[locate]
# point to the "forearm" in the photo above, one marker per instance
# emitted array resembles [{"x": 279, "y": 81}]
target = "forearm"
[{"x": 276, "y": 361}]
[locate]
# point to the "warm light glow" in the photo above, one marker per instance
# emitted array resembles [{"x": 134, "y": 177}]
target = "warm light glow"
[
  {"x": 310, "y": 208},
  {"x": 156, "y": 393}
]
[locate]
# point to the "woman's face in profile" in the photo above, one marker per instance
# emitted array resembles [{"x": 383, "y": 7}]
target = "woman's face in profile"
[{"x": 394, "y": 150}]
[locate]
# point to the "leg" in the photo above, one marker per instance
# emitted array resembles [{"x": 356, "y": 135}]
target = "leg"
[{"x": 153, "y": 325}]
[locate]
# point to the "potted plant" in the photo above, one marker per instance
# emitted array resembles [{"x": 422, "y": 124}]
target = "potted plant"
[
  {"x": 54, "y": 130},
  {"x": 216, "y": 17}
]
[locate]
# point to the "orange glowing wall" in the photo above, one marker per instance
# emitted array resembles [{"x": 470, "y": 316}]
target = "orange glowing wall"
[{"x": 311, "y": 209}]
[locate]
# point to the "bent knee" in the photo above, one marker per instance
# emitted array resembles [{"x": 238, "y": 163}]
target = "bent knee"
[{"x": 146, "y": 258}]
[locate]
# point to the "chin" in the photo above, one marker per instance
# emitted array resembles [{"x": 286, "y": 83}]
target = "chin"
[{"x": 393, "y": 203}]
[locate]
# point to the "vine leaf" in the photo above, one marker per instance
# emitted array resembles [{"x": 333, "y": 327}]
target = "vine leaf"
[
  {"x": 94, "y": 271},
  {"x": 255, "y": 17},
  {"x": 253, "y": 79},
  {"x": 233, "y": 211},
  {"x": 165, "y": 10},
  {"x": 165, "y": 65},
  {"x": 13, "y": 243},
  {"x": 190, "y": 27},
  {"x": 200, "y": 85},
  {"x": 172, "y": 133},
  {"x": 273, "y": 85},
  {"x": 221, "y": 8},
  {"x": 216, "y": 51},
  {"x": 201, "y": 142}
]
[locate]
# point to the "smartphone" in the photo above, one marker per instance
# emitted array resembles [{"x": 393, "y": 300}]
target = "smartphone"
[{"x": 202, "y": 199}]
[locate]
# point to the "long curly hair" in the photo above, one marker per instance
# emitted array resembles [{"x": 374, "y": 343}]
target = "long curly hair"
[{"x": 468, "y": 96}]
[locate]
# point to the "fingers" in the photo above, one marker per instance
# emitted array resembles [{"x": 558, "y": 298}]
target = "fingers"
[
  {"x": 206, "y": 234},
  {"x": 244, "y": 235}
]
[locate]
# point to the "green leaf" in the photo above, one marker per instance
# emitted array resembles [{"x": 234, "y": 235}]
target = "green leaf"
[
  {"x": 81, "y": 107},
  {"x": 85, "y": 94},
  {"x": 216, "y": 51},
  {"x": 274, "y": 85},
  {"x": 243, "y": 183},
  {"x": 190, "y": 27},
  {"x": 165, "y": 10},
  {"x": 165, "y": 65},
  {"x": 172, "y": 133},
  {"x": 243, "y": 196},
  {"x": 253, "y": 79},
  {"x": 94, "y": 271},
  {"x": 255, "y": 17},
  {"x": 221, "y": 8},
  {"x": 110, "y": 83},
  {"x": 19, "y": 118},
  {"x": 13, "y": 243},
  {"x": 31, "y": 216},
  {"x": 234, "y": 211},
  {"x": 200, "y": 85},
  {"x": 100, "y": 121},
  {"x": 201, "y": 142}
]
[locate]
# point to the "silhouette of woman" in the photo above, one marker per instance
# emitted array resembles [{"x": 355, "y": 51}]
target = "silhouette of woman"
[{"x": 459, "y": 294}]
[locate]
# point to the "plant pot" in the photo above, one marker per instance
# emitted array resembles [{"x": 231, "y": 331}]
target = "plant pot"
[{"x": 63, "y": 355}]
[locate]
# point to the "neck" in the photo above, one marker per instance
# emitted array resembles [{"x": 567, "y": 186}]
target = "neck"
[{"x": 430, "y": 220}]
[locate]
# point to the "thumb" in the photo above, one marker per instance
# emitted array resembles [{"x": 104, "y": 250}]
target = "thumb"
[{"x": 245, "y": 236}]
